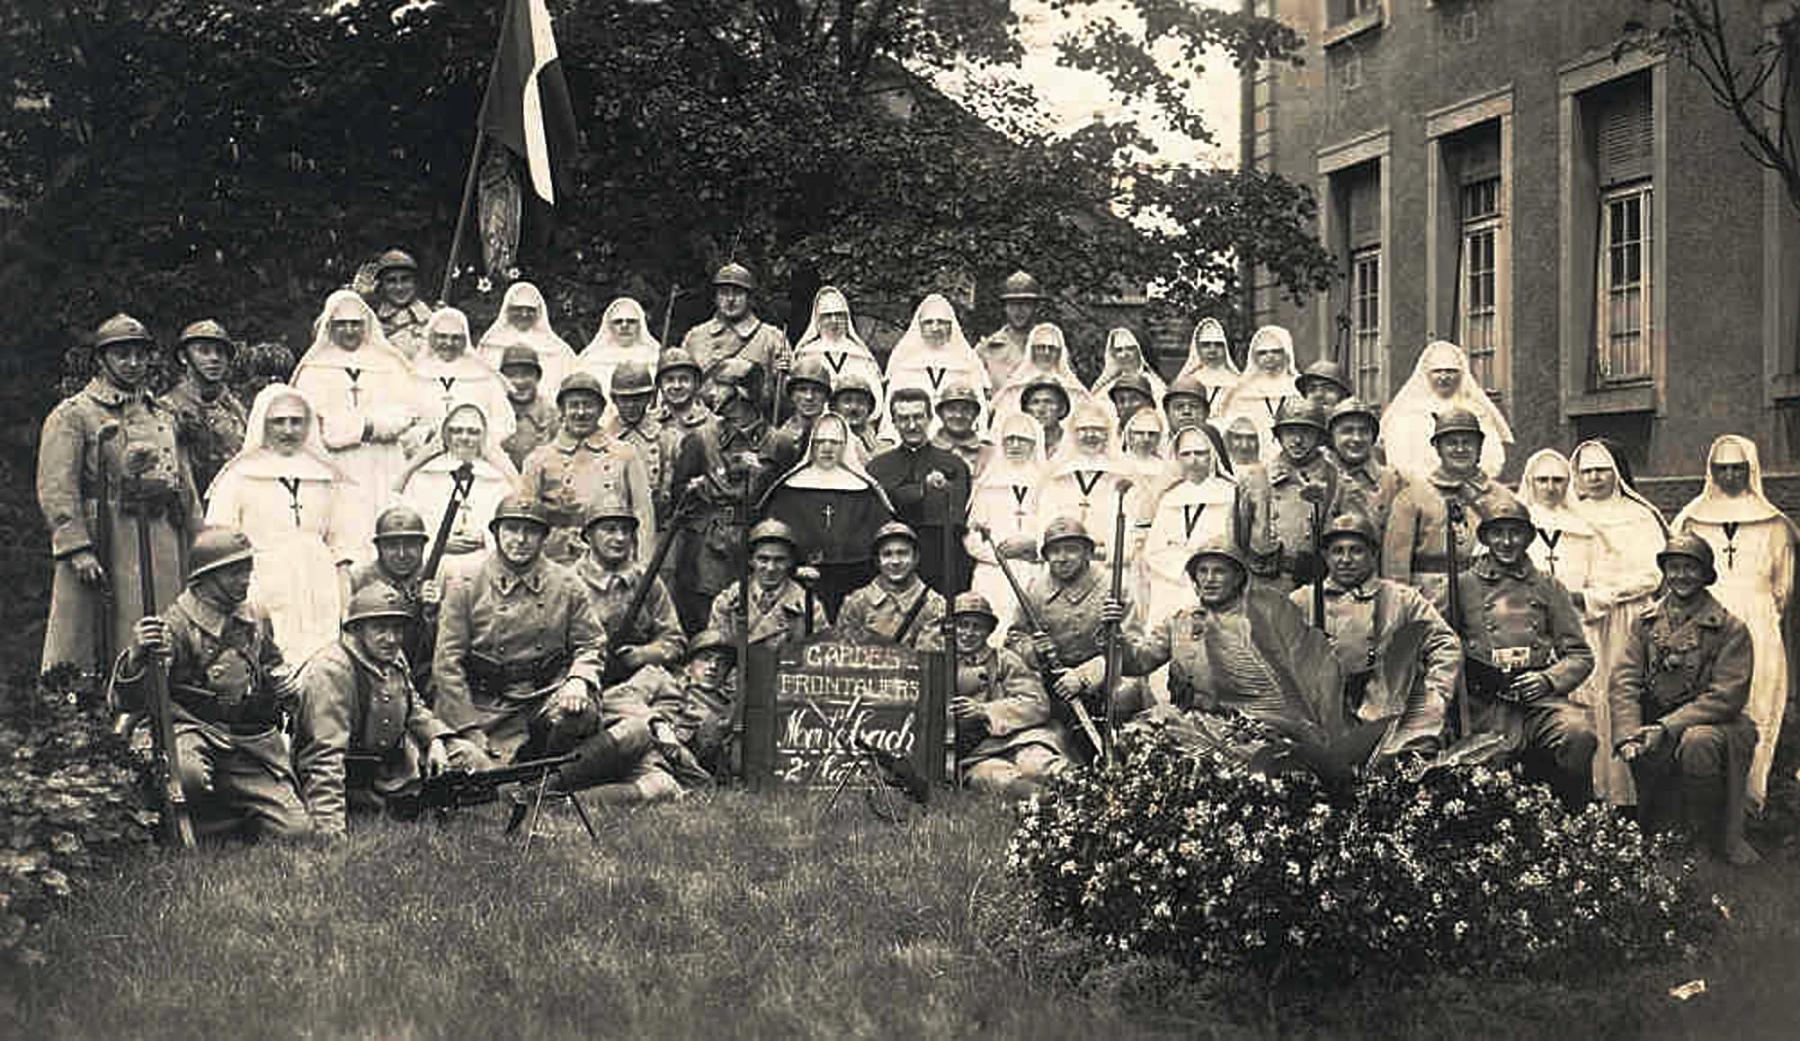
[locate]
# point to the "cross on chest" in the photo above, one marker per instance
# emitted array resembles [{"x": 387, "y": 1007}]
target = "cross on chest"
[
  {"x": 355, "y": 390},
  {"x": 292, "y": 484},
  {"x": 1731, "y": 530},
  {"x": 827, "y": 511}
]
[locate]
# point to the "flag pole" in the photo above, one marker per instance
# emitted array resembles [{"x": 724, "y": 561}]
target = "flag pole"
[{"x": 468, "y": 192}]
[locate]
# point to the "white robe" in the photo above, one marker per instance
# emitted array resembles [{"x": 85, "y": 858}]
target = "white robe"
[
  {"x": 1622, "y": 577},
  {"x": 1009, "y": 509},
  {"x": 428, "y": 491},
  {"x": 464, "y": 380},
  {"x": 351, "y": 389}
]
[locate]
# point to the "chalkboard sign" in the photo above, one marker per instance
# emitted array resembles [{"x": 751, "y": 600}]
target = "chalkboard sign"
[{"x": 808, "y": 712}]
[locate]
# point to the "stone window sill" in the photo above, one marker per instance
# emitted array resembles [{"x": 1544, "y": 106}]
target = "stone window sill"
[
  {"x": 1640, "y": 397},
  {"x": 1352, "y": 27}
]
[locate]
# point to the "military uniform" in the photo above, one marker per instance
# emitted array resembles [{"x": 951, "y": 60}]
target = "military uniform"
[
  {"x": 421, "y": 630},
  {"x": 655, "y": 630},
  {"x": 1517, "y": 620},
  {"x": 1016, "y": 738},
  {"x": 1071, "y": 616},
  {"x": 877, "y": 614},
  {"x": 749, "y": 339},
  {"x": 1418, "y": 526},
  {"x": 212, "y": 430},
  {"x": 568, "y": 476},
  {"x": 229, "y": 688},
  {"x": 1277, "y": 522},
  {"x": 407, "y": 328},
  {"x": 777, "y": 617},
  {"x": 534, "y": 423},
  {"x": 708, "y": 552}
]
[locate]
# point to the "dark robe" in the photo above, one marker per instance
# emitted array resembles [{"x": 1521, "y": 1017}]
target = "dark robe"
[
  {"x": 902, "y": 472},
  {"x": 835, "y": 529}
]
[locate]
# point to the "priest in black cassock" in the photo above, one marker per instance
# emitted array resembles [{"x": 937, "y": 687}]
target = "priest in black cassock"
[
  {"x": 929, "y": 487},
  {"x": 834, "y": 508}
]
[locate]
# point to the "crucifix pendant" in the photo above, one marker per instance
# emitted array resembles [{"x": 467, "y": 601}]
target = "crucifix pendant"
[
  {"x": 826, "y": 511},
  {"x": 355, "y": 390},
  {"x": 1731, "y": 530},
  {"x": 292, "y": 484}
]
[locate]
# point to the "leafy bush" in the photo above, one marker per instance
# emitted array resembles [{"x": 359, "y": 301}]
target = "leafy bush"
[
  {"x": 1186, "y": 854},
  {"x": 70, "y": 801}
]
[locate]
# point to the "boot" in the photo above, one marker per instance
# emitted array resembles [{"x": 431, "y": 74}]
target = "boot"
[
  {"x": 601, "y": 760},
  {"x": 1702, "y": 805}
]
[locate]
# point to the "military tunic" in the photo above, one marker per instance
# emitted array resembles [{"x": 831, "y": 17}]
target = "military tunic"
[
  {"x": 90, "y": 503},
  {"x": 1371, "y": 489},
  {"x": 1016, "y": 737},
  {"x": 708, "y": 554},
  {"x": 876, "y": 612},
  {"x": 1277, "y": 525},
  {"x": 353, "y": 706},
  {"x": 229, "y": 688},
  {"x": 1071, "y": 616},
  {"x": 420, "y": 641},
  {"x": 1414, "y": 542},
  {"x": 657, "y": 453},
  {"x": 655, "y": 630},
  {"x": 764, "y": 346},
  {"x": 535, "y": 423},
  {"x": 572, "y": 477},
  {"x": 212, "y": 430},
  {"x": 777, "y": 618},
  {"x": 407, "y": 328}
]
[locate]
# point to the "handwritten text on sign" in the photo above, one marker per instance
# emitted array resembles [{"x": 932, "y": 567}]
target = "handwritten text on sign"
[{"x": 836, "y": 697}]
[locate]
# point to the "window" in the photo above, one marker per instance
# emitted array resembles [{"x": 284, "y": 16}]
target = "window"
[
  {"x": 1625, "y": 285},
  {"x": 1347, "y": 18},
  {"x": 1478, "y": 312},
  {"x": 1365, "y": 322}
]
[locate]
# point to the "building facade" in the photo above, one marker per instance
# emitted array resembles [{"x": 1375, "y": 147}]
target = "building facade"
[{"x": 1587, "y": 226}]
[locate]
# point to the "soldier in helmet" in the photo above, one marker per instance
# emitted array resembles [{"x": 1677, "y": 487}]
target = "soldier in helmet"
[
  {"x": 679, "y": 409},
  {"x": 635, "y": 423},
  {"x": 402, "y": 314},
  {"x": 1069, "y": 598},
  {"x": 1678, "y": 697},
  {"x": 1006, "y": 739},
  {"x": 653, "y": 635},
  {"x": 929, "y": 488},
  {"x": 211, "y": 416},
  {"x": 1281, "y": 508},
  {"x": 853, "y": 397},
  {"x": 1364, "y": 613},
  {"x": 400, "y": 539},
  {"x": 362, "y": 732},
  {"x": 958, "y": 409},
  {"x": 1129, "y": 393},
  {"x": 580, "y": 467},
  {"x": 1427, "y": 515},
  {"x": 895, "y": 607},
  {"x": 229, "y": 689},
  {"x": 1004, "y": 348},
  {"x": 535, "y": 420},
  {"x": 1185, "y": 404},
  {"x": 808, "y": 391},
  {"x": 1323, "y": 384},
  {"x": 1354, "y": 425},
  {"x": 692, "y": 705},
  {"x": 108, "y": 456},
  {"x": 734, "y": 331},
  {"x": 781, "y": 611},
  {"x": 1526, "y": 654}
]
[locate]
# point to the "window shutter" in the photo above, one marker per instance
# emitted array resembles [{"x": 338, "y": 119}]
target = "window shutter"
[
  {"x": 1365, "y": 207},
  {"x": 1477, "y": 153},
  {"x": 1624, "y": 141}
]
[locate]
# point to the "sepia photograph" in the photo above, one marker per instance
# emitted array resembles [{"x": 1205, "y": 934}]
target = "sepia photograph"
[{"x": 899, "y": 519}]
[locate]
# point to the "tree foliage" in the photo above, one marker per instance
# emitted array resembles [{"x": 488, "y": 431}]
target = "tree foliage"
[{"x": 240, "y": 158}]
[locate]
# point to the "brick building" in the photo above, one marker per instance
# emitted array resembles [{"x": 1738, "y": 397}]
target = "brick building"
[{"x": 1589, "y": 229}]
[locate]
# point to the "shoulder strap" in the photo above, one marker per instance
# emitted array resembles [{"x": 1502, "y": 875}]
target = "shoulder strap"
[{"x": 912, "y": 615}]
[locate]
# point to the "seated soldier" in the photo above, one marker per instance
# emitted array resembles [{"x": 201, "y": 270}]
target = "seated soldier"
[
  {"x": 779, "y": 606},
  {"x": 692, "y": 709},
  {"x": 518, "y": 663},
  {"x": 1005, "y": 739},
  {"x": 1367, "y": 617},
  {"x": 1678, "y": 696},
  {"x": 1525, "y": 655},
  {"x": 228, "y": 687},
  {"x": 400, "y": 539},
  {"x": 611, "y": 573},
  {"x": 362, "y": 730},
  {"x": 1069, "y": 598},
  {"x": 897, "y": 607}
]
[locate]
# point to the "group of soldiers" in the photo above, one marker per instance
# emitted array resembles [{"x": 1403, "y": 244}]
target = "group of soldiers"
[{"x": 425, "y": 552}]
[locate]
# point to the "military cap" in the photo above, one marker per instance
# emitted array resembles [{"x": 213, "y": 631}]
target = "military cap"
[
  {"x": 1323, "y": 371},
  {"x": 674, "y": 358},
  {"x": 810, "y": 369},
  {"x": 1687, "y": 544},
  {"x": 958, "y": 391},
  {"x": 215, "y": 548},
  {"x": 735, "y": 274},
  {"x": 400, "y": 521},
  {"x": 1299, "y": 412},
  {"x": 1185, "y": 384},
  {"x": 973, "y": 603},
  {"x": 613, "y": 508},
  {"x": 773, "y": 530},
  {"x": 1455, "y": 421},
  {"x": 895, "y": 530},
  {"x": 121, "y": 328},
  {"x": 1020, "y": 286},
  {"x": 580, "y": 382},
  {"x": 1351, "y": 525},
  {"x": 519, "y": 507},
  {"x": 1135, "y": 380},
  {"x": 853, "y": 383},
  {"x": 712, "y": 641},
  {"x": 395, "y": 260},
  {"x": 1355, "y": 406},
  {"x": 1218, "y": 549},
  {"x": 1063, "y": 529},
  {"x": 376, "y": 600},
  {"x": 520, "y": 356},
  {"x": 207, "y": 329},
  {"x": 1501, "y": 509},
  {"x": 632, "y": 379}
]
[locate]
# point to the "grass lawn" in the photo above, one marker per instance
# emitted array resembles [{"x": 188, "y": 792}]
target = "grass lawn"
[{"x": 738, "y": 916}]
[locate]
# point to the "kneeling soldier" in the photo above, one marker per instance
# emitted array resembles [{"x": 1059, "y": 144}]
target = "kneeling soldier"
[
  {"x": 897, "y": 607},
  {"x": 229, "y": 687},
  {"x": 1005, "y": 739},
  {"x": 362, "y": 729},
  {"x": 1525, "y": 654},
  {"x": 1678, "y": 693},
  {"x": 611, "y": 572}
]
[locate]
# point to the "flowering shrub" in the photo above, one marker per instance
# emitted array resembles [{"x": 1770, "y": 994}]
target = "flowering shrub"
[{"x": 1187, "y": 854}]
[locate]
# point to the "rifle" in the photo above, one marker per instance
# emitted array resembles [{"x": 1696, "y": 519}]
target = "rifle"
[
  {"x": 180, "y": 827},
  {"x": 741, "y": 512},
  {"x": 458, "y": 788},
  {"x": 1113, "y": 663},
  {"x": 1454, "y": 515},
  {"x": 948, "y": 629},
  {"x": 1053, "y": 667},
  {"x": 640, "y": 592},
  {"x": 104, "y": 607},
  {"x": 1318, "y": 581},
  {"x": 462, "y": 481}
]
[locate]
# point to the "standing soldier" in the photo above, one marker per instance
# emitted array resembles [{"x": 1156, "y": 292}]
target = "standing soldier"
[
  {"x": 808, "y": 391},
  {"x": 637, "y": 426},
  {"x": 402, "y": 314},
  {"x": 1354, "y": 426},
  {"x": 679, "y": 409},
  {"x": 929, "y": 487},
  {"x": 108, "y": 458},
  {"x": 853, "y": 397},
  {"x": 211, "y": 416},
  {"x": 580, "y": 467},
  {"x": 400, "y": 538},
  {"x": 653, "y": 635},
  {"x": 534, "y": 420},
  {"x": 1420, "y": 525},
  {"x": 958, "y": 408},
  {"x": 1323, "y": 384},
  {"x": 779, "y": 606},
  {"x": 1185, "y": 404},
  {"x": 1526, "y": 654},
  {"x": 734, "y": 331},
  {"x": 895, "y": 607},
  {"x": 1004, "y": 348},
  {"x": 228, "y": 688},
  {"x": 1004, "y": 734},
  {"x": 1678, "y": 697},
  {"x": 721, "y": 464},
  {"x": 1281, "y": 508}
]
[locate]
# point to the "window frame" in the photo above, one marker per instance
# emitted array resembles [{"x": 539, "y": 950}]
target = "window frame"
[
  {"x": 1487, "y": 225},
  {"x": 1365, "y": 300},
  {"x": 1605, "y": 338}
]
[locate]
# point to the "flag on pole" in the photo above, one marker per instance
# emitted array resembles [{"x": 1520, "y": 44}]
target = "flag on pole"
[{"x": 527, "y": 105}]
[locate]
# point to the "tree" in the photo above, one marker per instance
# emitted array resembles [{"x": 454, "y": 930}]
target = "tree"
[{"x": 233, "y": 157}]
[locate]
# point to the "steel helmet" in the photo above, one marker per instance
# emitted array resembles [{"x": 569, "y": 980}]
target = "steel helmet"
[
  {"x": 1299, "y": 412},
  {"x": 519, "y": 507},
  {"x": 895, "y": 530},
  {"x": 1216, "y": 550},
  {"x": 376, "y": 600},
  {"x": 1323, "y": 371},
  {"x": 1504, "y": 508},
  {"x": 854, "y": 383},
  {"x": 1351, "y": 525},
  {"x": 1455, "y": 421},
  {"x": 735, "y": 274},
  {"x": 1063, "y": 529},
  {"x": 810, "y": 369},
  {"x": 1130, "y": 381},
  {"x": 207, "y": 329},
  {"x": 121, "y": 328},
  {"x": 712, "y": 641},
  {"x": 1020, "y": 286},
  {"x": 958, "y": 391},
  {"x": 612, "y": 507},
  {"x": 395, "y": 260},
  {"x": 1687, "y": 544},
  {"x": 973, "y": 603},
  {"x": 672, "y": 359},
  {"x": 773, "y": 530},
  {"x": 400, "y": 521},
  {"x": 1354, "y": 406},
  {"x": 216, "y": 548},
  {"x": 520, "y": 356},
  {"x": 1185, "y": 384},
  {"x": 580, "y": 382},
  {"x": 632, "y": 379}
]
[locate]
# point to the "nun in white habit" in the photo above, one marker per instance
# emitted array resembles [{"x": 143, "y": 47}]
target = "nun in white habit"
[
  {"x": 1004, "y": 503},
  {"x": 933, "y": 353},
  {"x": 623, "y": 336},
  {"x": 524, "y": 320},
  {"x": 1260, "y": 392},
  {"x": 1209, "y": 362},
  {"x": 464, "y": 438},
  {"x": 447, "y": 374},
  {"x": 1439, "y": 382}
]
